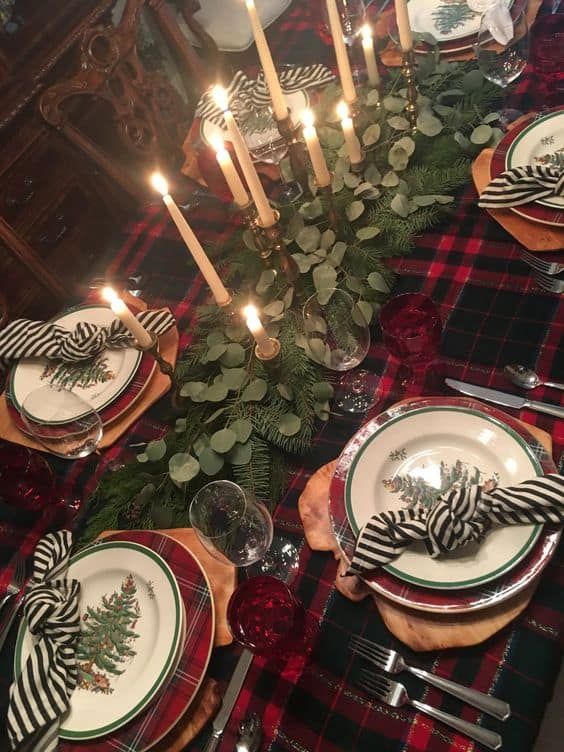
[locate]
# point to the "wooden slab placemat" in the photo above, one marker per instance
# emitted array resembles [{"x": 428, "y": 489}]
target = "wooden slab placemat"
[
  {"x": 223, "y": 580},
  {"x": 419, "y": 630},
  {"x": 532, "y": 235}
]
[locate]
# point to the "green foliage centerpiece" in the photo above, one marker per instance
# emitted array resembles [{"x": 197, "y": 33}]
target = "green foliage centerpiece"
[{"x": 238, "y": 417}]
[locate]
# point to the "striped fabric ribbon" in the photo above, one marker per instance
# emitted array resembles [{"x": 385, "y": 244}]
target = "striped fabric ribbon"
[
  {"x": 25, "y": 338},
  {"x": 247, "y": 93},
  {"x": 41, "y": 693},
  {"x": 458, "y": 517},
  {"x": 521, "y": 185}
]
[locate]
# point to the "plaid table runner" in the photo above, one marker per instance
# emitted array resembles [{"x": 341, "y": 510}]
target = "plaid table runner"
[{"x": 493, "y": 314}]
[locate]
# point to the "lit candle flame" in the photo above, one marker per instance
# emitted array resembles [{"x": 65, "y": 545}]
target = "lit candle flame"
[
  {"x": 366, "y": 32},
  {"x": 250, "y": 312},
  {"x": 109, "y": 294},
  {"x": 221, "y": 97},
  {"x": 342, "y": 110},
  {"x": 159, "y": 183},
  {"x": 308, "y": 118},
  {"x": 217, "y": 143}
]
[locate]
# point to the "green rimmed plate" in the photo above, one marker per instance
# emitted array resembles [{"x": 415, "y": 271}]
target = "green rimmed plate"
[
  {"x": 131, "y": 625},
  {"x": 412, "y": 458}
]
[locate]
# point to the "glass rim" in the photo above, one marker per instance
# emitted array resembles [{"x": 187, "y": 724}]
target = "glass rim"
[
  {"x": 325, "y": 289},
  {"x": 234, "y": 522},
  {"x": 404, "y": 295}
]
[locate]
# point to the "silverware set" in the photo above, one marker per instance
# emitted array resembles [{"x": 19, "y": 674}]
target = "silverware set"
[
  {"x": 395, "y": 694},
  {"x": 13, "y": 600},
  {"x": 544, "y": 272}
]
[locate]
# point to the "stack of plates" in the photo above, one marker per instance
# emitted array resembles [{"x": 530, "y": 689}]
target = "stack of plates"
[
  {"x": 117, "y": 382},
  {"x": 147, "y": 631},
  {"x": 407, "y": 456},
  {"x": 535, "y": 141}
]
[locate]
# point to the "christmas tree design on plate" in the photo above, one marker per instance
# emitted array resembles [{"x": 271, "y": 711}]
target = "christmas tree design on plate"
[
  {"x": 415, "y": 491},
  {"x": 107, "y": 637},
  {"x": 84, "y": 374},
  {"x": 451, "y": 15},
  {"x": 555, "y": 159}
]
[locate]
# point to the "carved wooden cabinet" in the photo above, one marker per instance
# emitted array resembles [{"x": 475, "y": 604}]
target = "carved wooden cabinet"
[{"x": 57, "y": 209}]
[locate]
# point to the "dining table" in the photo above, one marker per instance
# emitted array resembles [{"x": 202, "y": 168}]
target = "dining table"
[{"x": 493, "y": 313}]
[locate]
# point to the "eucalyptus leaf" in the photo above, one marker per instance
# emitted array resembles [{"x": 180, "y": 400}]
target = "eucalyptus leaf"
[
  {"x": 214, "y": 416},
  {"x": 266, "y": 280},
  {"x": 288, "y": 297},
  {"x": 398, "y": 158},
  {"x": 289, "y": 424},
  {"x": 354, "y": 284},
  {"x": 234, "y": 378},
  {"x": 312, "y": 209},
  {"x": 255, "y": 391},
  {"x": 394, "y": 104},
  {"x": 180, "y": 425},
  {"x": 407, "y": 144},
  {"x": 322, "y": 410},
  {"x": 309, "y": 238},
  {"x": 236, "y": 332},
  {"x": 242, "y": 429},
  {"x": 403, "y": 188},
  {"x": 367, "y": 192},
  {"x": 216, "y": 337},
  {"x": 155, "y": 450},
  {"x": 216, "y": 392},
  {"x": 182, "y": 467},
  {"x": 331, "y": 137},
  {"x": 372, "y": 174},
  {"x": 443, "y": 110},
  {"x": 497, "y": 135},
  {"x": 275, "y": 308},
  {"x": 200, "y": 444},
  {"x": 371, "y": 135},
  {"x": 423, "y": 200},
  {"x": 351, "y": 180},
  {"x": 354, "y": 210},
  {"x": 249, "y": 240},
  {"x": 241, "y": 454},
  {"x": 390, "y": 179},
  {"x": 400, "y": 205},
  {"x": 343, "y": 150},
  {"x": 337, "y": 253},
  {"x": 142, "y": 457},
  {"x": 322, "y": 390},
  {"x": 195, "y": 390},
  {"x": 215, "y": 352},
  {"x": 317, "y": 349},
  {"x": 450, "y": 94},
  {"x": 342, "y": 165},
  {"x": 294, "y": 226},
  {"x": 210, "y": 462},
  {"x": 338, "y": 183},
  {"x": 314, "y": 323},
  {"x": 461, "y": 140},
  {"x": 398, "y": 123},
  {"x": 366, "y": 233},
  {"x": 285, "y": 391},
  {"x": 222, "y": 441},
  {"x": 491, "y": 118},
  {"x": 327, "y": 239},
  {"x": 372, "y": 97},
  {"x": 428, "y": 124},
  {"x": 444, "y": 199},
  {"x": 362, "y": 313},
  {"x": 233, "y": 356},
  {"x": 472, "y": 81},
  {"x": 304, "y": 262},
  {"x": 481, "y": 135},
  {"x": 324, "y": 276},
  {"x": 378, "y": 282}
]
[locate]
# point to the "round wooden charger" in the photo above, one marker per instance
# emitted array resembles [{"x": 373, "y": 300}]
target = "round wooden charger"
[{"x": 419, "y": 630}]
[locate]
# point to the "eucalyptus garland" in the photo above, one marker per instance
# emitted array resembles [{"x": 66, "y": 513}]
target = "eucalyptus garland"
[{"x": 232, "y": 416}]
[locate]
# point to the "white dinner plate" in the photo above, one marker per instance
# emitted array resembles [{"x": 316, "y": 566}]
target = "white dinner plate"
[
  {"x": 130, "y": 605},
  {"x": 540, "y": 143},
  {"x": 446, "y": 20},
  {"x": 98, "y": 387},
  {"x": 410, "y": 460}
]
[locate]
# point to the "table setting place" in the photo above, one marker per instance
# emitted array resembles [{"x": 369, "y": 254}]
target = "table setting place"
[{"x": 311, "y": 499}]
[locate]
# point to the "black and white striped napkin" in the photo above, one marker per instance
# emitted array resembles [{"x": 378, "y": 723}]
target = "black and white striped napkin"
[
  {"x": 25, "y": 338},
  {"x": 40, "y": 694},
  {"x": 521, "y": 185},
  {"x": 245, "y": 92},
  {"x": 458, "y": 517}
]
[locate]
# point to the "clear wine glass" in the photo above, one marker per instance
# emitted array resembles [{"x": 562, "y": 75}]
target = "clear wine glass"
[
  {"x": 237, "y": 529},
  {"x": 503, "y": 63},
  {"x": 61, "y": 421},
  {"x": 340, "y": 340},
  {"x": 352, "y": 14}
]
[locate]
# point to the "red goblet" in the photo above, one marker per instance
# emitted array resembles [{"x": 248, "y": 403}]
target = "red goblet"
[
  {"x": 266, "y": 617},
  {"x": 26, "y": 479},
  {"x": 411, "y": 330}
]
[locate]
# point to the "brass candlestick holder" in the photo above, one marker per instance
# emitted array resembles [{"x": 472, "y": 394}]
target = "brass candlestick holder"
[
  {"x": 408, "y": 70},
  {"x": 153, "y": 349},
  {"x": 272, "y": 356},
  {"x": 271, "y": 239},
  {"x": 289, "y": 133},
  {"x": 326, "y": 192},
  {"x": 358, "y": 167}
]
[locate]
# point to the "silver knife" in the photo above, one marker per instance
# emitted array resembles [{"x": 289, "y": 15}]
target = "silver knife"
[
  {"x": 229, "y": 699},
  {"x": 504, "y": 398}
]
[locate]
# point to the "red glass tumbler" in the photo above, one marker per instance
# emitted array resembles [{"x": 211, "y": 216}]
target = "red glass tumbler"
[
  {"x": 411, "y": 330},
  {"x": 266, "y": 617},
  {"x": 26, "y": 480},
  {"x": 547, "y": 42}
]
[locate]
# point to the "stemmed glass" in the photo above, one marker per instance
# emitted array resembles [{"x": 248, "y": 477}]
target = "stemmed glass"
[
  {"x": 62, "y": 422},
  {"x": 236, "y": 528},
  {"x": 340, "y": 342},
  {"x": 503, "y": 63},
  {"x": 352, "y": 14}
]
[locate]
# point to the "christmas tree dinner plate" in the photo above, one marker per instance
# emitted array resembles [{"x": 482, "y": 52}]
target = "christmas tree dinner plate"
[
  {"x": 446, "y": 20},
  {"x": 131, "y": 626},
  {"x": 98, "y": 381}
]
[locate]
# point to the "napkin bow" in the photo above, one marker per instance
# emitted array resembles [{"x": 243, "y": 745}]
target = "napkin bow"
[
  {"x": 458, "y": 517},
  {"x": 25, "y": 338},
  {"x": 41, "y": 693},
  {"x": 521, "y": 185}
]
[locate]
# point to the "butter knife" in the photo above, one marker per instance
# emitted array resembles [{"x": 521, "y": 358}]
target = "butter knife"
[
  {"x": 229, "y": 699},
  {"x": 504, "y": 398}
]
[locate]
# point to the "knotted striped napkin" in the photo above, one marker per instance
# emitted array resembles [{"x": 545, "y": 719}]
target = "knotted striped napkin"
[
  {"x": 245, "y": 92},
  {"x": 41, "y": 693},
  {"x": 521, "y": 185},
  {"x": 458, "y": 517},
  {"x": 25, "y": 338}
]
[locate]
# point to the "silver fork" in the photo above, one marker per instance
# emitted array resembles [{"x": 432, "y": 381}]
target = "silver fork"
[
  {"x": 541, "y": 265},
  {"x": 547, "y": 282},
  {"x": 17, "y": 581},
  {"x": 395, "y": 694},
  {"x": 392, "y": 663}
]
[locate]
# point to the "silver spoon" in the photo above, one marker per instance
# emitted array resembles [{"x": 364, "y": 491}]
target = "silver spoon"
[
  {"x": 526, "y": 378},
  {"x": 250, "y": 734}
]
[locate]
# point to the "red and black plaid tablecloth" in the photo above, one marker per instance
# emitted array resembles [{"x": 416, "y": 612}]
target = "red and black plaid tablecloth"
[{"x": 493, "y": 314}]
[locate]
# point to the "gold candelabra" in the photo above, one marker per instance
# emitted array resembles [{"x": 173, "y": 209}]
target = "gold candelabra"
[{"x": 408, "y": 70}]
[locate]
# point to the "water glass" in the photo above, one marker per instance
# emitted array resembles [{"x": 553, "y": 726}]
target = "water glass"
[
  {"x": 265, "y": 616},
  {"x": 503, "y": 63},
  {"x": 411, "y": 331},
  {"x": 547, "y": 44},
  {"x": 61, "y": 421},
  {"x": 352, "y": 14},
  {"x": 26, "y": 479},
  {"x": 230, "y": 523}
]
